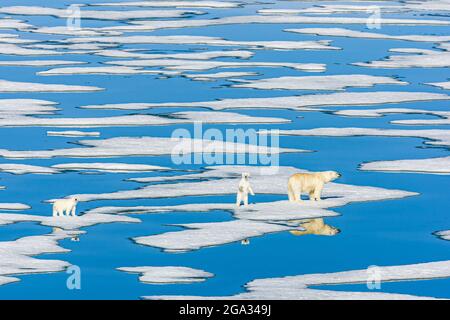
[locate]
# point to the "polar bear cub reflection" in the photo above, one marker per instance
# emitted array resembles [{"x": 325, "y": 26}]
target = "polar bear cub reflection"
[
  {"x": 67, "y": 206},
  {"x": 244, "y": 190}
]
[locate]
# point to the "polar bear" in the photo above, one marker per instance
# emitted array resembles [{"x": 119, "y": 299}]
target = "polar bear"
[
  {"x": 67, "y": 206},
  {"x": 317, "y": 227},
  {"x": 244, "y": 190},
  {"x": 312, "y": 183}
]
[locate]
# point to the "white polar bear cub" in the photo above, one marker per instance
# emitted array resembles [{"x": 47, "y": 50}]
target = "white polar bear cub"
[
  {"x": 244, "y": 190},
  {"x": 311, "y": 183},
  {"x": 68, "y": 206}
]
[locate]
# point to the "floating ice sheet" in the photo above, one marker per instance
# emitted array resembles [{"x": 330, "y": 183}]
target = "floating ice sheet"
[
  {"x": 291, "y": 102},
  {"x": 443, "y": 115},
  {"x": 133, "y": 120},
  {"x": 168, "y": 275},
  {"x": 432, "y": 165},
  {"x": 136, "y": 26},
  {"x": 108, "y": 167},
  {"x": 205, "y": 40},
  {"x": 438, "y": 137},
  {"x": 12, "y": 86},
  {"x": 176, "y": 4},
  {"x": 94, "y": 14},
  {"x": 342, "y": 32},
  {"x": 411, "y": 58},
  {"x": 73, "y": 133},
  {"x": 145, "y": 146},
  {"x": 333, "y": 82},
  {"x": 298, "y": 287}
]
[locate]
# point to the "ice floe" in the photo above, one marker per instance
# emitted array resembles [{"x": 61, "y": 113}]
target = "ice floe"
[
  {"x": 444, "y": 115},
  {"x": 201, "y": 65},
  {"x": 172, "y": 3},
  {"x": 23, "y": 107},
  {"x": 432, "y": 165},
  {"x": 291, "y": 102},
  {"x": 14, "y": 86},
  {"x": 73, "y": 133},
  {"x": 443, "y": 85},
  {"x": 7, "y": 23},
  {"x": 445, "y": 235},
  {"x": 13, "y": 49},
  {"x": 199, "y": 235},
  {"x": 411, "y": 58},
  {"x": 143, "y": 25},
  {"x": 205, "y": 40},
  {"x": 39, "y": 63},
  {"x": 93, "y": 14},
  {"x": 168, "y": 275},
  {"x": 254, "y": 220},
  {"x": 219, "y": 75},
  {"x": 342, "y": 32},
  {"x": 109, "y": 167},
  {"x": 16, "y": 168},
  {"x": 134, "y": 120},
  {"x": 196, "y": 55},
  {"x": 267, "y": 184},
  {"x": 145, "y": 146},
  {"x": 16, "y": 257},
  {"x": 97, "y": 70},
  {"x": 14, "y": 206},
  {"x": 298, "y": 287},
  {"x": 436, "y": 136},
  {"x": 330, "y": 9},
  {"x": 65, "y": 222},
  {"x": 333, "y": 82}
]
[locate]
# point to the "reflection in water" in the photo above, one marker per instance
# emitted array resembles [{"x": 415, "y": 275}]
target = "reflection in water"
[
  {"x": 315, "y": 226},
  {"x": 74, "y": 238},
  {"x": 245, "y": 242}
]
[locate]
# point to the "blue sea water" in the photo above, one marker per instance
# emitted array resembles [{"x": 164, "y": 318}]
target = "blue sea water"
[{"x": 393, "y": 232}]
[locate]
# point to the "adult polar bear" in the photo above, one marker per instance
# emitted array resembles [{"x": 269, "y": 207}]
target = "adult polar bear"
[
  {"x": 68, "y": 206},
  {"x": 311, "y": 183}
]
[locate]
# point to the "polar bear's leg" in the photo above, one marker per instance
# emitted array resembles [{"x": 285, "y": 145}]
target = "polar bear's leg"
[
  {"x": 245, "y": 198},
  {"x": 291, "y": 193},
  {"x": 298, "y": 193},
  {"x": 312, "y": 195},
  {"x": 238, "y": 198},
  {"x": 74, "y": 208},
  {"x": 318, "y": 193},
  {"x": 55, "y": 212}
]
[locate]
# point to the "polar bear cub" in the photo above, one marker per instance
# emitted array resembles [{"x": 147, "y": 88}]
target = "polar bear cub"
[
  {"x": 244, "y": 190},
  {"x": 67, "y": 206},
  {"x": 311, "y": 183}
]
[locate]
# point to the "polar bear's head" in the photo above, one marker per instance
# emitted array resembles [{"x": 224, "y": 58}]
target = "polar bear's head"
[
  {"x": 328, "y": 230},
  {"x": 245, "y": 175},
  {"x": 330, "y": 175}
]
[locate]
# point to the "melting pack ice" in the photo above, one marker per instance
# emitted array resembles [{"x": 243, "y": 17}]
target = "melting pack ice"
[
  {"x": 256, "y": 220},
  {"x": 432, "y": 165},
  {"x": 297, "y": 287},
  {"x": 164, "y": 275}
]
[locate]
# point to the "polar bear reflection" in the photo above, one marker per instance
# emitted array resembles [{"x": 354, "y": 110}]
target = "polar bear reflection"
[{"x": 317, "y": 227}]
